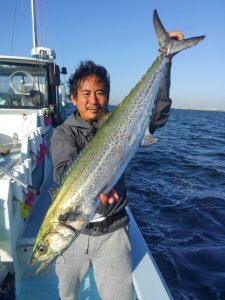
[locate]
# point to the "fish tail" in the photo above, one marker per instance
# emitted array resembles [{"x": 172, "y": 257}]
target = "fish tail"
[{"x": 170, "y": 45}]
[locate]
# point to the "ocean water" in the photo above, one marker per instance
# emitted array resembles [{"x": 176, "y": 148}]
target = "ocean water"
[{"x": 176, "y": 191}]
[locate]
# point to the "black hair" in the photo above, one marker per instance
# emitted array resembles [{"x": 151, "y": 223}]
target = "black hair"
[{"x": 88, "y": 68}]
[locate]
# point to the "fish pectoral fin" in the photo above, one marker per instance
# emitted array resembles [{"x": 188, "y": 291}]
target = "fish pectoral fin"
[
  {"x": 73, "y": 219},
  {"x": 72, "y": 216},
  {"x": 71, "y": 226},
  {"x": 148, "y": 139}
]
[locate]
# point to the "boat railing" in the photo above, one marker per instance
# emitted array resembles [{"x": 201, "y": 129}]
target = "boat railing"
[{"x": 25, "y": 161}]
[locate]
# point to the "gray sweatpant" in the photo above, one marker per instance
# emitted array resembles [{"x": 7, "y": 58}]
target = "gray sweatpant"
[{"x": 110, "y": 255}]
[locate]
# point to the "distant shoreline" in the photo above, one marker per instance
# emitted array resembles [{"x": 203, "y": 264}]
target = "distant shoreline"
[
  {"x": 200, "y": 108},
  {"x": 186, "y": 108}
]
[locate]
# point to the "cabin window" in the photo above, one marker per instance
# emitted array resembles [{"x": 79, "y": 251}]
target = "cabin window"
[{"x": 23, "y": 86}]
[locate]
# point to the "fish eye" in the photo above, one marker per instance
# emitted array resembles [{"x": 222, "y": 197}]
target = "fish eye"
[{"x": 41, "y": 249}]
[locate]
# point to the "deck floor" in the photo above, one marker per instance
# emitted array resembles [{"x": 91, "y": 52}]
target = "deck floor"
[{"x": 43, "y": 288}]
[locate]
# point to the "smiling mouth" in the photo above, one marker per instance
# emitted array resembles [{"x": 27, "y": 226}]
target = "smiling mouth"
[{"x": 93, "y": 109}]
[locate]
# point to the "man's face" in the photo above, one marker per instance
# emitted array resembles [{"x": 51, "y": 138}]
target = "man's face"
[{"x": 91, "y": 97}]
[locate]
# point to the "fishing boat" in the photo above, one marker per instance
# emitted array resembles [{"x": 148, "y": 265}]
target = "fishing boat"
[{"x": 32, "y": 103}]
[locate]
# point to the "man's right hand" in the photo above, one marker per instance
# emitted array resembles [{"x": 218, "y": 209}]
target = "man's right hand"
[{"x": 109, "y": 198}]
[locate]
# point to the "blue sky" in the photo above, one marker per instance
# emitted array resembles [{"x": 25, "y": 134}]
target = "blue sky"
[{"x": 119, "y": 34}]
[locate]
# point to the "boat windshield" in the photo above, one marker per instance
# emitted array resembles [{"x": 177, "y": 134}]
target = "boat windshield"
[{"x": 22, "y": 86}]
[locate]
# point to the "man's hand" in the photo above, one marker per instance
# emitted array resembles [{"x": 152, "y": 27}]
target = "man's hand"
[
  {"x": 176, "y": 35},
  {"x": 109, "y": 198}
]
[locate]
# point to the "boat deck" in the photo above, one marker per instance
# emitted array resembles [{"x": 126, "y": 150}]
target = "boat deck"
[
  {"x": 41, "y": 204},
  {"x": 9, "y": 160},
  {"x": 47, "y": 288}
]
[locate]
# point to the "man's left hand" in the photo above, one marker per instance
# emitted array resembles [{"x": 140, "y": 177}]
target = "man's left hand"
[{"x": 176, "y": 35}]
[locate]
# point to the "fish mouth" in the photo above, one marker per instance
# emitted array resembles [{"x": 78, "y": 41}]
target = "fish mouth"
[{"x": 45, "y": 264}]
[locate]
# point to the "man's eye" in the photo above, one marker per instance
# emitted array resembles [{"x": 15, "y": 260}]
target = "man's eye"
[{"x": 100, "y": 93}]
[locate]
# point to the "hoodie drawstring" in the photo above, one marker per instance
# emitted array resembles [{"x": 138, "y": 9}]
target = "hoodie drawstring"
[{"x": 87, "y": 248}]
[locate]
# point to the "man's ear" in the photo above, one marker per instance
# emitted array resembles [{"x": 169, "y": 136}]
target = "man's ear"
[{"x": 74, "y": 100}]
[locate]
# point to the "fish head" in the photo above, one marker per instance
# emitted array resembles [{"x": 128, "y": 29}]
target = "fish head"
[{"x": 50, "y": 245}]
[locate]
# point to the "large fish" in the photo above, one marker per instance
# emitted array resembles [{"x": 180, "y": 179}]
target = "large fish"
[{"x": 103, "y": 162}]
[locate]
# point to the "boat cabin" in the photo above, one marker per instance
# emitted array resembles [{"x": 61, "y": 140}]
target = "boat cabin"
[{"x": 31, "y": 83}]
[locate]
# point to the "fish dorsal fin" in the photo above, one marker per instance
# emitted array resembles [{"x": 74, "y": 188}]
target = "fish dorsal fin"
[
  {"x": 102, "y": 117},
  {"x": 53, "y": 191}
]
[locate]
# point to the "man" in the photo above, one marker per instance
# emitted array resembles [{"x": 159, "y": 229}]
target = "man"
[{"x": 105, "y": 242}]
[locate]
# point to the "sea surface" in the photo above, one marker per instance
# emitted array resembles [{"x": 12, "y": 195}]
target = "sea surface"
[{"x": 176, "y": 191}]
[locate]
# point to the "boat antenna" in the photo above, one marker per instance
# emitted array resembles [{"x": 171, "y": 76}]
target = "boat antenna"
[
  {"x": 34, "y": 31},
  {"x": 41, "y": 36},
  {"x": 13, "y": 29}
]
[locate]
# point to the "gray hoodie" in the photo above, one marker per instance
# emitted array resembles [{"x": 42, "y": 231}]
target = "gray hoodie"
[{"x": 67, "y": 141}]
